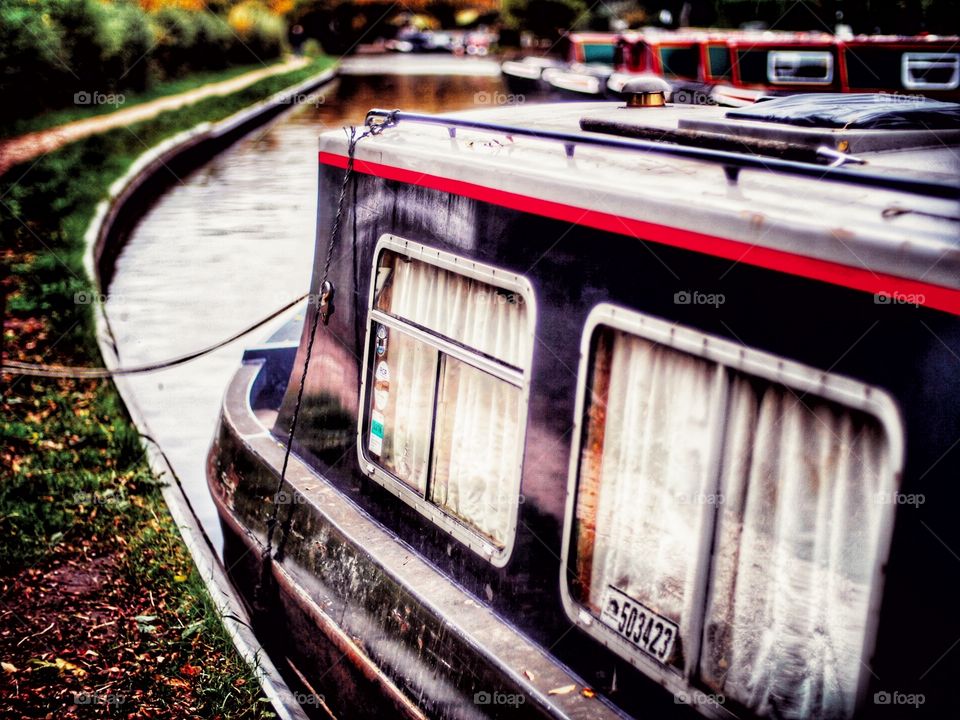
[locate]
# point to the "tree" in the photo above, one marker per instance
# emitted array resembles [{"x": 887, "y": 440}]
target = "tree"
[{"x": 545, "y": 18}]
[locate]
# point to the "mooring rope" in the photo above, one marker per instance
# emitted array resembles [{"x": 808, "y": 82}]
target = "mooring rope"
[
  {"x": 16, "y": 367},
  {"x": 322, "y": 311}
]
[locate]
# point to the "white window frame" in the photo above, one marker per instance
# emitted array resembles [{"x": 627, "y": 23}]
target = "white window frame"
[
  {"x": 910, "y": 58},
  {"x": 518, "y": 377},
  {"x": 773, "y": 55},
  {"x": 755, "y": 363}
]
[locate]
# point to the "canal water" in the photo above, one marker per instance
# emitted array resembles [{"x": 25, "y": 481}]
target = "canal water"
[{"x": 233, "y": 241}]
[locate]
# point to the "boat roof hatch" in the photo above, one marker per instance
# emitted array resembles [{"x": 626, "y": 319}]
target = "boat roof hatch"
[
  {"x": 802, "y": 127},
  {"x": 860, "y": 111}
]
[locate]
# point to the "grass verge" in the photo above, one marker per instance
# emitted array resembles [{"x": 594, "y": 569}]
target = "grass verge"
[{"x": 101, "y": 611}]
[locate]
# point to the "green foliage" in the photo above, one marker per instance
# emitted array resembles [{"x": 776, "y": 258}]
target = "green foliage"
[
  {"x": 51, "y": 50},
  {"x": 545, "y": 18},
  {"x": 312, "y": 48}
]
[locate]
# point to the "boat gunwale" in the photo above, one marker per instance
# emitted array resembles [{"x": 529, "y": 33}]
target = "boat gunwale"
[{"x": 547, "y": 671}]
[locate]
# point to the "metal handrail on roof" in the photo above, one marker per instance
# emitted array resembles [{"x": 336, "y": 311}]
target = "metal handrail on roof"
[{"x": 731, "y": 162}]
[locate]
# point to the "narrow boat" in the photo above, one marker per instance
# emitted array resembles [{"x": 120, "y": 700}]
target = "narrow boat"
[
  {"x": 737, "y": 68},
  {"x": 590, "y": 59},
  {"x": 605, "y": 411},
  {"x": 743, "y": 67},
  {"x": 525, "y": 75}
]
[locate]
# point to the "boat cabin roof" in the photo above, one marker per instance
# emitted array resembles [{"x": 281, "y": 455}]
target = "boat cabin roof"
[
  {"x": 655, "y": 181},
  {"x": 763, "y": 38}
]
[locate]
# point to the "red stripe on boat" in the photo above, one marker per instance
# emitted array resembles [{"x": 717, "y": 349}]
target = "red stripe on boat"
[{"x": 863, "y": 279}]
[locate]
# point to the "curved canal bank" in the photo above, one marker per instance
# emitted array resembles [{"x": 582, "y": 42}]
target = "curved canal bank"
[
  {"x": 95, "y": 570},
  {"x": 153, "y": 173},
  {"x": 224, "y": 244}
]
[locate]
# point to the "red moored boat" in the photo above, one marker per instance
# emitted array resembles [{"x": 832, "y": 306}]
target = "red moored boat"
[{"x": 733, "y": 67}]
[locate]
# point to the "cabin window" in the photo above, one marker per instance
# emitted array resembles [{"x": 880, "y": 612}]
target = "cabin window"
[
  {"x": 728, "y": 517},
  {"x": 647, "y": 445},
  {"x": 800, "y": 67},
  {"x": 602, "y": 53},
  {"x": 872, "y": 68},
  {"x": 446, "y": 370},
  {"x": 931, "y": 71},
  {"x": 719, "y": 58},
  {"x": 682, "y": 61}
]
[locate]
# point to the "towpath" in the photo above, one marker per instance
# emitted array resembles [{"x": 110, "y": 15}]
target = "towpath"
[{"x": 16, "y": 150}]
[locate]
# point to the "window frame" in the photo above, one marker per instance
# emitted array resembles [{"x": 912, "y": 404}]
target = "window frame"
[
  {"x": 519, "y": 378},
  {"x": 773, "y": 54},
  {"x": 692, "y": 46},
  {"x": 909, "y": 58},
  {"x": 726, "y": 354}
]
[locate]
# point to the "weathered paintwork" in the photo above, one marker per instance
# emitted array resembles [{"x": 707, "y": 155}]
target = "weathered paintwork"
[{"x": 440, "y": 622}]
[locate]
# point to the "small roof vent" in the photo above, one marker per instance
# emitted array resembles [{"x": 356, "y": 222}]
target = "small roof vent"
[
  {"x": 649, "y": 91},
  {"x": 854, "y": 112}
]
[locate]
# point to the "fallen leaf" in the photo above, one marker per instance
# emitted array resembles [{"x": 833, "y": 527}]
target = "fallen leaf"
[
  {"x": 8, "y": 667},
  {"x": 69, "y": 667},
  {"x": 564, "y": 690},
  {"x": 529, "y": 675},
  {"x": 587, "y": 693}
]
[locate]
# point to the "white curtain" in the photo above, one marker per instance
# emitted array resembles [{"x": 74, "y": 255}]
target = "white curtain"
[
  {"x": 794, "y": 555},
  {"x": 478, "y": 417},
  {"x": 476, "y": 446},
  {"x": 652, "y": 477},
  {"x": 408, "y": 408},
  {"x": 473, "y": 313}
]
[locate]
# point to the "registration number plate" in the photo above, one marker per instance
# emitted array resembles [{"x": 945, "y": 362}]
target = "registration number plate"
[{"x": 639, "y": 625}]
